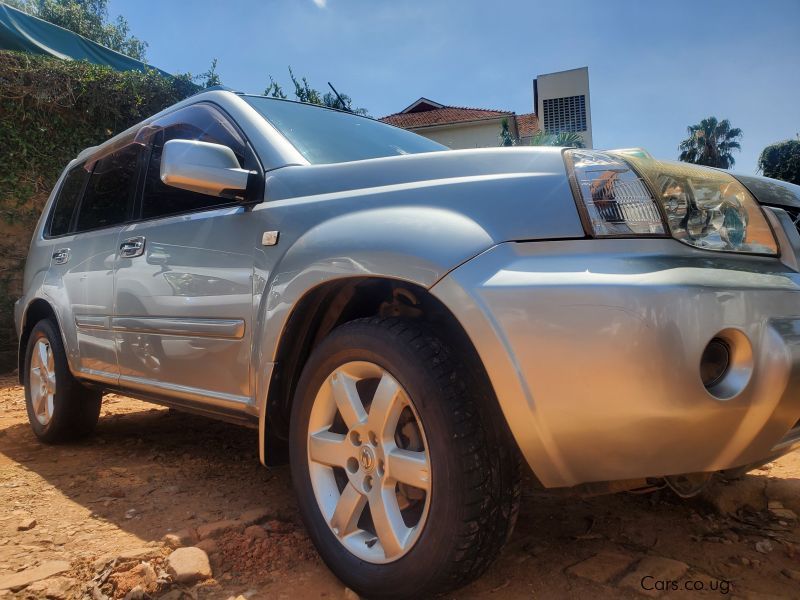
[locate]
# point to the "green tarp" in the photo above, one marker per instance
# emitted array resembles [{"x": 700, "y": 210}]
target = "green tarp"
[{"x": 24, "y": 33}]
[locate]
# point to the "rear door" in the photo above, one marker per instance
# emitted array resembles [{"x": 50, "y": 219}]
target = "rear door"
[
  {"x": 184, "y": 287},
  {"x": 81, "y": 273}
]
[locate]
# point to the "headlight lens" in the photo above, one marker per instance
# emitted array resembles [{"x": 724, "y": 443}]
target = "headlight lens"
[
  {"x": 615, "y": 199},
  {"x": 705, "y": 208}
]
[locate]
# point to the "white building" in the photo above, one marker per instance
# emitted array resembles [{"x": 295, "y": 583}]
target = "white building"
[
  {"x": 562, "y": 97},
  {"x": 561, "y": 101}
]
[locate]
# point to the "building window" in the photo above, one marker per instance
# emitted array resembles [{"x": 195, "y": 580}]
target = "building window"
[{"x": 565, "y": 114}]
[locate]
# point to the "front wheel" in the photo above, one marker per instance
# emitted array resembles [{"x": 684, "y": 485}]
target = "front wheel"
[{"x": 405, "y": 474}]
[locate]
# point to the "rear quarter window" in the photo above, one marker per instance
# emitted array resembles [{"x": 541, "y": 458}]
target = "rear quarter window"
[{"x": 68, "y": 197}]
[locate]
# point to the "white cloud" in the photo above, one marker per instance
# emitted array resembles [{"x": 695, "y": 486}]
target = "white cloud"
[{"x": 321, "y": 3}]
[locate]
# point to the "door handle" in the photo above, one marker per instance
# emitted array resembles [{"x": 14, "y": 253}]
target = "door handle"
[
  {"x": 132, "y": 247},
  {"x": 61, "y": 256}
]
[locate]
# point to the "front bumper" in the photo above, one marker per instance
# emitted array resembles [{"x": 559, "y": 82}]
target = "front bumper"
[{"x": 593, "y": 348}]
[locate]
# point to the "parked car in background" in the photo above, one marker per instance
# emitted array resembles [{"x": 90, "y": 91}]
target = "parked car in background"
[{"x": 411, "y": 322}]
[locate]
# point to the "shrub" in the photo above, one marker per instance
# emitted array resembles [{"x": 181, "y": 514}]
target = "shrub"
[
  {"x": 50, "y": 109},
  {"x": 781, "y": 161}
]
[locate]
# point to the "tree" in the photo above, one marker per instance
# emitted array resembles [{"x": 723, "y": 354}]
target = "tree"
[
  {"x": 210, "y": 78},
  {"x": 506, "y": 139},
  {"x": 711, "y": 143},
  {"x": 274, "y": 89},
  {"x": 88, "y": 18},
  {"x": 305, "y": 93},
  {"x": 569, "y": 139},
  {"x": 781, "y": 161}
]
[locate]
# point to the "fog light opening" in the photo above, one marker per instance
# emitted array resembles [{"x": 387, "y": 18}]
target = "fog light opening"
[{"x": 715, "y": 362}]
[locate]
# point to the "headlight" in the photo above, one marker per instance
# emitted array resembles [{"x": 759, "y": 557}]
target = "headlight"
[{"x": 705, "y": 208}]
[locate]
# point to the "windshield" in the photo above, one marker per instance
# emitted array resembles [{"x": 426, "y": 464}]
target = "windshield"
[{"x": 324, "y": 136}]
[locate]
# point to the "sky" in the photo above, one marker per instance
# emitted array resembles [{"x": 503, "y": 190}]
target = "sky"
[{"x": 654, "y": 67}]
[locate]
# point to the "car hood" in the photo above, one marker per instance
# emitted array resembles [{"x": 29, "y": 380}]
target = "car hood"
[{"x": 772, "y": 192}]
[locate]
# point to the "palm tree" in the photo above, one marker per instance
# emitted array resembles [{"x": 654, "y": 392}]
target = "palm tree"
[
  {"x": 711, "y": 143},
  {"x": 570, "y": 139}
]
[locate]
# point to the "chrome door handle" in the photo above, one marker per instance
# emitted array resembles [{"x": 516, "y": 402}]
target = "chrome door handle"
[
  {"x": 132, "y": 247},
  {"x": 61, "y": 256}
]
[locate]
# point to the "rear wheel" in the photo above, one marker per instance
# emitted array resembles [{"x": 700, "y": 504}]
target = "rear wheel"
[
  {"x": 59, "y": 407},
  {"x": 405, "y": 474}
]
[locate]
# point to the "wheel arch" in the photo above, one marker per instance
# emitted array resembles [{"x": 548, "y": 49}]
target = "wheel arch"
[
  {"x": 37, "y": 310},
  {"x": 330, "y": 304}
]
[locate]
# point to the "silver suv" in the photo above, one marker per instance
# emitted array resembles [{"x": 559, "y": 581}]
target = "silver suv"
[{"x": 410, "y": 322}]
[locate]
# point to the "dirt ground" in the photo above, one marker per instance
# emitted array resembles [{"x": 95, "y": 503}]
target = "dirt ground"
[{"x": 104, "y": 506}]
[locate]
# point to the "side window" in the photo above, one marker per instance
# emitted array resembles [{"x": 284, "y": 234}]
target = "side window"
[
  {"x": 200, "y": 122},
  {"x": 109, "y": 192},
  {"x": 67, "y": 200}
]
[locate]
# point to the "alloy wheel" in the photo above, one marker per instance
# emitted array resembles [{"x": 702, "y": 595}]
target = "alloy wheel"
[
  {"x": 369, "y": 462},
  {"x": 42, "y": 381}
]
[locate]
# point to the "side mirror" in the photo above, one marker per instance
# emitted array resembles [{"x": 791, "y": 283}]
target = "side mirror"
[{"x": 203, "y": 167}]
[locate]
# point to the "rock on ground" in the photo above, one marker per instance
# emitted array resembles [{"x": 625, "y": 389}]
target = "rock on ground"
[
  {"x": 188, "y": 565},
  {"x": 57, "y": 588},
  {"x": 656, "y": 567},
  {"x": 17, "y": 581},
  {"x": 216, "y": 529},
  {"x": 603, "y": 567}
]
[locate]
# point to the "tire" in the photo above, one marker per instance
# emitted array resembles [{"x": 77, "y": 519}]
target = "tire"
[
  {"x": 72, "y": 411},
  {"x": 472, "y": 463}
]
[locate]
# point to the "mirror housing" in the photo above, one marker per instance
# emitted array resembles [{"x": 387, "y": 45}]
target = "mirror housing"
[{"x": 205, "y": 168}]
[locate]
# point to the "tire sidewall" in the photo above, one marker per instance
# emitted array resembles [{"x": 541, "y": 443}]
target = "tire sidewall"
[
  {"x": 50, "y": 431},
  {"x": 435, "y": 543}
]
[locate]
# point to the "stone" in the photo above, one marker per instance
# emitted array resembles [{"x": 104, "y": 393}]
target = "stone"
[
  {"x": 792, "y": 574},
  {"x": 57, "y": 588},
  {"x": 188, "y": 565},
  {"x": 602, "y": 568},
  {"x": 254, "y": 516},
  {"x": 764, "y": 546},
  {"x": 17, "y": 581},
  {"x": 180, "y": 538},
  {"x": 133, "y": 554},
  {"x": 26, "y": 524},
  {"x": 216, "y": 529},
  {"x": 728, "y": 497},
  {"x": 652, "y": 569},
  {"x": 208, "y": 546},
  {"x": 783, "y": 513},
  {"x": 350, "y": 594},
  {"x": 136, "y": 593},
  {"x": 255, "y": 532}
]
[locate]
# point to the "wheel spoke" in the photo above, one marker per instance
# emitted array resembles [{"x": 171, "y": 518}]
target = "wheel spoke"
[
  {"x": 347, "y": 399},
  {"x": 409, "y": 467},
  {"x": 48, "y": 406},
  {"x": 331, "y": 449},
  {"x": 387, "y": 404},
  {"x": 389, "y": 526},
  {"x": 348, "y": 511},
  {"x": 41, "y": 349}
]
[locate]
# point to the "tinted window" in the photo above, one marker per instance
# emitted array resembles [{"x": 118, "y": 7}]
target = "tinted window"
[
  {"x": 199, "y": 122},
  {"x": 67, "y": 200},
  {"x": 110, "y": 190},
  {"x": 328, "y": 136}
]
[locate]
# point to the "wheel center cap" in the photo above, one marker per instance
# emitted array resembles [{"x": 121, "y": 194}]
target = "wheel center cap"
[{"x": 367, "y": 459}]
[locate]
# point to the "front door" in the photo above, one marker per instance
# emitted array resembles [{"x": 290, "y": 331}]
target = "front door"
[{"x": 184, "y": 279}]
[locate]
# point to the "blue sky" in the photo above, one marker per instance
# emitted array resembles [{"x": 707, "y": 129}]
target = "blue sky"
[{"x": 654, "y": 67}]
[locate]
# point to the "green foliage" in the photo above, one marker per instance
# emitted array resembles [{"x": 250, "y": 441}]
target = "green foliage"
[
  {"x": 50, "y": 109},
  {"x": 88, "y": 18},
  {"x": 210, "y": 78},
  {"x": 506, "y": 139},
  {"x": 781, "y": 161},
  {"x": 711, "y": 143},
  {"x": 567, "y": 139},
  {"x": 303, "y": 92},
  {"x": 274, "y": 89}
]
